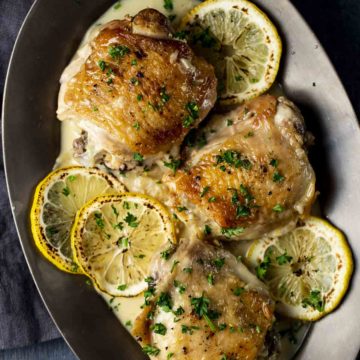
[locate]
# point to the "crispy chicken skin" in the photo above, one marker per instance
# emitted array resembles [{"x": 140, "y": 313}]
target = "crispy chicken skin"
[
  {"x": 238, "y": 314},
  {"x": 253, "y": 176},
  {"x": 141, "y": 86}
]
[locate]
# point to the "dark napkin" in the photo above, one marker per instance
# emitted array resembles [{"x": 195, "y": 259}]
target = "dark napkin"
[{"x": 23, "y": 318}]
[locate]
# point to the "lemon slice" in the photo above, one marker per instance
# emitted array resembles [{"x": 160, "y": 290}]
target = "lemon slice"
[
  {"x": 307, "y": 270},
  {"x": 115, "y": 238},
  {"x": 57, "y": 199},
  {"x": 240, "y": 41}
]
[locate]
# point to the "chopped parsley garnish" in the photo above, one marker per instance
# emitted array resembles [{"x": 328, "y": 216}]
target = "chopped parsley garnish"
[
  {"x": 210, "y": 279},
  {"x": 222, "y": 168},
  {"x": 180, "y": 287},
  {"x": 122, "y": 287},
  {"x": 188, "y": 270},
  {"x": 229, "y": 122},
  {"x": 204, "y": 191},
  {"x": 168, "y": 5},
  {"x": 207, "y": 230},
  {"x": 139, "y": 97},
  {"x": 212, "y": 199},
  {"x": 151, "y": 350},
  {"x": 72, "y": 178},
  {"x": 102, "y": 65},
  {"x": 277, "y": 177},
  {"x": 136, "y": 126},
  {"x": 66, "y": 191},
  {"x": 204, "y": 38},
  {"x": 283, "y": 259},
  {"x": 167, "y": 253},
  {"x": 263, "y": 267},
  {"x": 248, "y": 135},
  {"x": 222, "y": 327},
  {"x": 119, "y": 226},
  {"x": 126, "y": 205},
  {"x": 242, "y": 211},
  {"x": 219, "y": 262},
  {"x": 172, "y": 17},
  {"x": 149, "y": 292},
  {"x": 130, "y": 219},
  {"x": 315, "y": 300},
  {"x": 274, "y": 163},
  {"x": 229, "y": 232},
  {"x": 118, "y": 51},
  {"x": 175, "y": 262},
  {"x": 181, "y": 208},
  {"x": 117, "y": 5},
  {"x": 181, "y": 35},
  {"x": 128, "y": 323},
  {"x": 238, "y": 291},
  {"x": 234, "y": 158},
  {"x": 99, "y": 220},
  {"x": 193, "y": 110},
  {"x": 164, "y": 96},
  {"x": 201, "y": 308},
  {"x": 138, "y": 157},
  {"x": 133, "y": 62},
  {"x": 179, "y": 311},
  {"x": 238, "y": 78},
  {"x": 244, "y": 191},
  {"x": 188, "y": 329},
  {"x": 123, "y": 242},
  {"x": 173, "y": 164},
  {"x": 164, "y": 301},
  {"x": 134, "y": 81},
  {"x": 278, "y": 208},
  {"x": 159, "y": 328}
]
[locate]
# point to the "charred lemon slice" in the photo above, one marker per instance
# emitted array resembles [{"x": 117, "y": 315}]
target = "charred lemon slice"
[
  {"x": 240, "y": 41},
  {"x": 307, "y": 270},
  {"x": 57, "y": 199},
  {"x": 115, "y": 238}
]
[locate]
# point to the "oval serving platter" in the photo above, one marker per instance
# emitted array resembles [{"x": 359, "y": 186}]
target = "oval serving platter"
[{"x": 50, "y": 35}]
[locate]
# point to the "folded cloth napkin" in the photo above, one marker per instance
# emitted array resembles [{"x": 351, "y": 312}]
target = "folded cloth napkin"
[{"x": 23, "y": 317}]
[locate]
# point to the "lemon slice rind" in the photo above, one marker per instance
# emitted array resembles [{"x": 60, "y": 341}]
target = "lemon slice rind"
[
  {"x": 40, "y": 229},
  {"x": 328, "y": 271},
  {"x": 116, "y": 268},
  {"x": 247, "y": 47}
]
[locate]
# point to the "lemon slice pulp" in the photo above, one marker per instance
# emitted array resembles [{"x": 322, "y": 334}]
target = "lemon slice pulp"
[
  {"x": 307, "y": 270},
  {"x": 57, "y": 199},
  {"x": 115, "y": 238},
  {"x": 240, "y": 41}
]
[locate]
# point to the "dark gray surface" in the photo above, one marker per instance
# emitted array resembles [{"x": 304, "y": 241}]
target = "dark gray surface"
[{"x": 23, "y": 319}]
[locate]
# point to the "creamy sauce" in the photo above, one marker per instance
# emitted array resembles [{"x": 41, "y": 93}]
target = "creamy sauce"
[{"x": 127, "y": 309}]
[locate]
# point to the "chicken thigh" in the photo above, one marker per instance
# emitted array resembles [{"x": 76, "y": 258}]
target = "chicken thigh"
[
  {"x": 139, "y": 90},
  {"x": 253, "y": 177},
  {"x": 206, "y": 305}
]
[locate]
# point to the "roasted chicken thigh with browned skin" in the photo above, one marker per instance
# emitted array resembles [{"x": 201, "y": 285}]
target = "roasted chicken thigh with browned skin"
[
  {"x": 205, "y": 305},
  {"x": 253, "y": 176},
  {"x": 139, "y": 88}
]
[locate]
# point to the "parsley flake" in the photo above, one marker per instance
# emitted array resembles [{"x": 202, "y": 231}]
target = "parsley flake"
[{"x": 130, "y": 219}]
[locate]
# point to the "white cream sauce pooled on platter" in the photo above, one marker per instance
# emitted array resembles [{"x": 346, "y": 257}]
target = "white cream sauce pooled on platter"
[{"x": 127, "y": 309}]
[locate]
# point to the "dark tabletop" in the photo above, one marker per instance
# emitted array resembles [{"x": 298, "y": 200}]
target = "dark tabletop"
[{"x": 23, "y": 318}]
